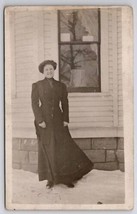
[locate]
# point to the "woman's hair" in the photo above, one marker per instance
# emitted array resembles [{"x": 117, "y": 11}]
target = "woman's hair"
[{"x": 47, "y": 62}]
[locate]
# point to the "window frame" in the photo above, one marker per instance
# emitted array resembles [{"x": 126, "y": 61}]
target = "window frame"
[{"x": 98, "y": 43}]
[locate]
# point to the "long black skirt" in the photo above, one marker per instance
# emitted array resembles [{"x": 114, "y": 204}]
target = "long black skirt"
[{"x": 59, "y": 158}]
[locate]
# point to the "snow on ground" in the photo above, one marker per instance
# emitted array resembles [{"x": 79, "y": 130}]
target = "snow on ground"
[{"x": 97, "y": 186}]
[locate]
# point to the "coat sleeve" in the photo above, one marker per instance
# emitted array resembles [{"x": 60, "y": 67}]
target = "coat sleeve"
[
  {"x": 64, "y": 103},
  {"x": 35, "y": 104}
]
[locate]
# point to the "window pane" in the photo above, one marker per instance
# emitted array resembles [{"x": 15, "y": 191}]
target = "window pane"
[
  {"x": 79, "y": 25},
  {"x": 79, "y": 65}
]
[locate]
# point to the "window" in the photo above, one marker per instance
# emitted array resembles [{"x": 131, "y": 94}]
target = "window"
[{"x": 79, "y": 49}]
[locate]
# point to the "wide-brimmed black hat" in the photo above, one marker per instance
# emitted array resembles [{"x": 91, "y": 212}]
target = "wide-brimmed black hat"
[{"x": 47, "y": 62}]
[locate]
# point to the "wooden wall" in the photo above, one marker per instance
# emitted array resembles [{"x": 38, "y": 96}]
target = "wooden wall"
[
  {"x": 119, "y": 52},
  {"x": 35, "y": 38}
]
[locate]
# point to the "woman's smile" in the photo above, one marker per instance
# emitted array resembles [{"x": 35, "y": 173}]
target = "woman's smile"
[{"x": 48, "y": 71}]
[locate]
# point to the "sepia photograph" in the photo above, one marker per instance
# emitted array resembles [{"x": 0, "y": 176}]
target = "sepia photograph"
[{"x": 68, "y": 108}]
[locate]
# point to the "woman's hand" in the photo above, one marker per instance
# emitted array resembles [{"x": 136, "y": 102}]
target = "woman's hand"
[
  {"x": 42, "y": 125},
  {"x": 65, "y": 123}
]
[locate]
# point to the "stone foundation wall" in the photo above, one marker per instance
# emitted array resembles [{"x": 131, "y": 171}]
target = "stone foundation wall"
[{"x": 105, "y": 153}]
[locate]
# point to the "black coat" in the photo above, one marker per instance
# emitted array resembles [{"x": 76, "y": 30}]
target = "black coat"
[
  {"x": 59, "y": 158},
  {"x": 50, "y": 99}
]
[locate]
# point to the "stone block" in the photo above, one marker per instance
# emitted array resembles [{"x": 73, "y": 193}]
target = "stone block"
[
  {"x": 24, "y": 156},
  {"x": 29, "y": 145},
  {"x": 110, "y": 156},
  {"x": 122, "y": 167},
  {"x": 95, "y": 155},
  {"x": 120, "y": 156},
  {"x": 106, "y": 166},
  {"x": 104, "y": 143},
  {"x": 30, "y": 167},
  {"x": 120, "y": 143},
  {"x": 16, "y": 166},
  {"x": 83, "y": 143},
  {"x": 33, "y": 157},
  {"x": 16, "y": 142},
  {"x": 16, "y": 156}
]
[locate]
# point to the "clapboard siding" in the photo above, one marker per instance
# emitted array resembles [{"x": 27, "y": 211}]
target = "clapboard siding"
[
  {"x": 119, "y": 68},
  {"x": 92, "y": 109},
  {"x": 50, "y": 35},
  {"x": 99, "y": 110},
  {"x": 89, "y": 110},
  {"x": 24, "y": 53},
  {"x": 30, "y": 126},
  {"x": 73, "y": 118},
  {"x": 24, "y": 67},
  {"x": 110, "y": 50},
  {"x": 73, "y": 114}
]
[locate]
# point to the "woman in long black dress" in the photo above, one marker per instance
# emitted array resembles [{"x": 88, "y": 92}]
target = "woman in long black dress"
[{"x": 60, "y": 160}]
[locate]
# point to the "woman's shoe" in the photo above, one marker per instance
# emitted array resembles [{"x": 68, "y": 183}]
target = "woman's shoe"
[
  {"x": 49, "y": 184},
  {"x": 70, "y": 185}
]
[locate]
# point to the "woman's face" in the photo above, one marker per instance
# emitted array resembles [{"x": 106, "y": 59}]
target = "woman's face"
[{"x": 48, "y": 71}]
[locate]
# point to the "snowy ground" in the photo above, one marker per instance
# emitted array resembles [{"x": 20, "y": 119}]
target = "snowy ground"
[{"x": 97, "y": 186}]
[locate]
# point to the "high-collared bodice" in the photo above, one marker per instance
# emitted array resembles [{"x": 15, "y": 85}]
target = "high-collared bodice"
[{"x": 50, "y": 93}]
